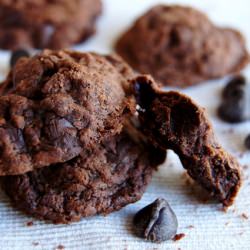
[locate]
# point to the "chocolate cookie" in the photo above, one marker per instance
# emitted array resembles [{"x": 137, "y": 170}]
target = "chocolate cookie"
[
  {"x": 58, "y": 103},
  {"x": 101, "y": 181},
  {"x": 46, "y": 24},
  {"x": 174, "y": 121},
  {"x": 180, "y": 46}
]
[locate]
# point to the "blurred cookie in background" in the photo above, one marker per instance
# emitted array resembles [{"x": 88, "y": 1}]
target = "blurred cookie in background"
[
  {"x": 46, "y": 24},
  {"x": 180, "y": 46}
]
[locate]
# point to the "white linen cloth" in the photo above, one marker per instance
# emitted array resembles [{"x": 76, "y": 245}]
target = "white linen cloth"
[{"x": 206, "y": 226}]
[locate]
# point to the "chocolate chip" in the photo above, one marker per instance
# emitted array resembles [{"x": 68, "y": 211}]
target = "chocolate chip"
[
  {"x": 235, "y": 106},
  {"x": 247, "y": 142},
  {"x": 17, "y": 54},
  {"x": 231, "y": 112},
  {"x": 156, "y": 222},
  {"x": 231, "y": 89}
]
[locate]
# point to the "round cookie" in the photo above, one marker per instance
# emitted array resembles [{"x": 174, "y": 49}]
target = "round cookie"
[
  {"x": 46, "y": 24},
  {"x": 179, "y": 46},
  {"x": 58, "y": 103},
  {"x": 101, "y": 181}
]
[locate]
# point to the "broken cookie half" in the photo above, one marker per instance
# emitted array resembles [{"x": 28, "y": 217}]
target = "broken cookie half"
[{"x": 173, "y": 121}]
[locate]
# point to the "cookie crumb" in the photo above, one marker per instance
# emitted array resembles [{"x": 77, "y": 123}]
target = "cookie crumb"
[
  {"x": 178, "y": 237},
  {"x": 29, "y": 224},
  {"x": 224, "y": 209},
  {"x": 241, "y": 155},
  {"x": 245, "y": 167},
  {"x": 244, "y": 216},
  {"x": 60, "y": 247},
  {"x": 35, "y": 243},
  {"x": 230, "y": 131},
  {"x": 190, "y": 226}
]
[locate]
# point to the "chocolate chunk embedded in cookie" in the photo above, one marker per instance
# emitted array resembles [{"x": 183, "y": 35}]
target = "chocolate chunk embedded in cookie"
[
  {"x": 58, "y": 103},
  {"x": 17, "y": 54},
  {"x": 174, "y": 121},
  {"x": 101, "y": 181},
  {"x": 46, "y": 24},
  {"x": 180, "y": 46}
]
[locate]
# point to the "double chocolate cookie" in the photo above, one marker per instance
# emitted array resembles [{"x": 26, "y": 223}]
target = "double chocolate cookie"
[
  {"x": 180, "y": 46},
  {"x": 101, "y": 181},
  {"x": 57, "y": 103},
  {"x": 46, "y": 24},
  {"x": 173, "y": 121}
]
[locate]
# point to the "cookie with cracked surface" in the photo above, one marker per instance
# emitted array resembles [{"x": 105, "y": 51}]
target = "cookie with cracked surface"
[
  {"x": 173, "y": 121},
  {"x": 179, "y": 46},
  {"x": 57, "y": 103},
  {"x": 99, "y": 182},
  {"x": 46, "y": 24}
]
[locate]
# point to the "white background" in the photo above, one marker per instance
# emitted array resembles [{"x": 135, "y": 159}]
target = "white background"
[{"x": 213, "y": 228}]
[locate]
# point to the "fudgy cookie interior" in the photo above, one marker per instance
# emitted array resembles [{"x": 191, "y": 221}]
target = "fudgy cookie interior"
[{"x": 173, "y": 121}]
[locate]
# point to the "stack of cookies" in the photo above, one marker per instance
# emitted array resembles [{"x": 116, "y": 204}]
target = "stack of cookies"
[
  {"x": 81, "y": 134},
  {"x": 65, "y": 126}
]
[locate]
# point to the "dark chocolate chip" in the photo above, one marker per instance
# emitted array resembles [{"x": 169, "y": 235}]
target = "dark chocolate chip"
[
  {"x": 247, "y": 142},
  {"x": 143, "y": 92},
  {"x": 156, "y": 222},
  {"x": 17, "y": 54},
  {"x": 230, "y": 111},
  {"x": 233, "y": 86},
  {"x": 235, "y": 106}
]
